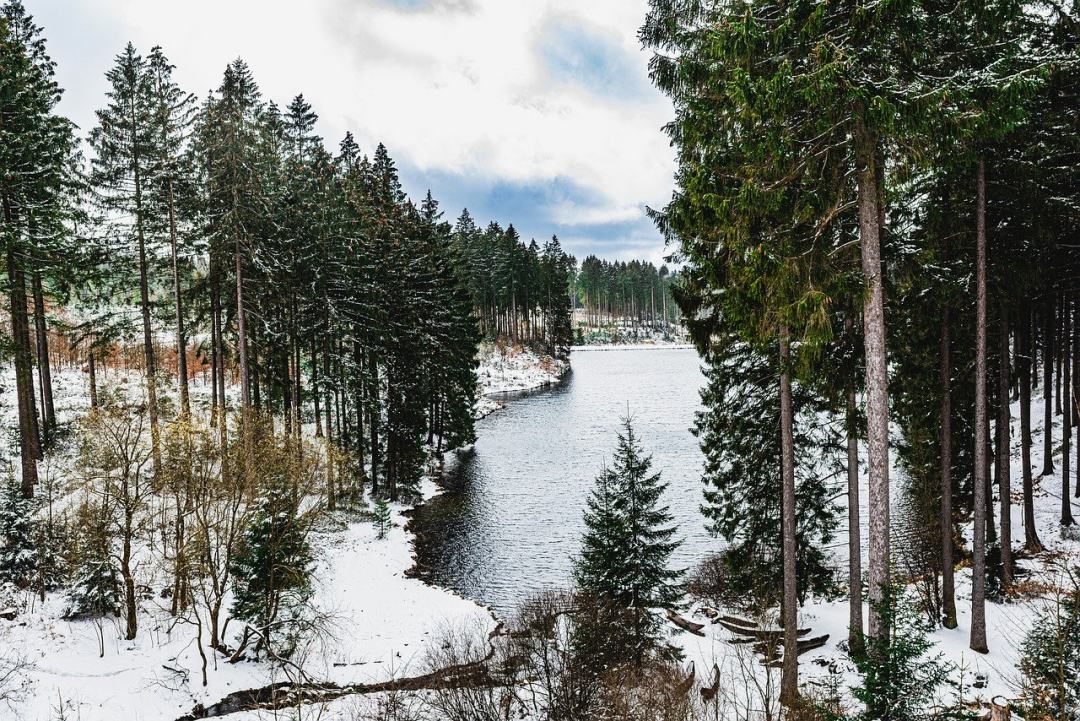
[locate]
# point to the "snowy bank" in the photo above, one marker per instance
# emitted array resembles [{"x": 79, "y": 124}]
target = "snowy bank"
[{"x": 510, "y": 369}]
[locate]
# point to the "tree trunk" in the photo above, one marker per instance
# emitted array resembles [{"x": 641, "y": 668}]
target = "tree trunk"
[
  {"x": 877, "y": 378},
  {"x": 855, "y": 599},
  {"x": 241, "y": 345},
  {"x": 1048, "y": 389},
  {"x": 24, "y": 375},
  {"x": 1031, "y": 535},
  {"x": 1066, "y": 345},
  {"x": 789, "y": 684},
  {"x": 978, "y": 584},
  {"x": 48, "y": 409},
  {"x": 1073, "y": 397},
  {"x": 93, "y": 377},
  {"x": 948, "y": 562},
  {"x": 1004, "y": 449},
  {"x": 144, "y": 307},
  {"x": 181, "y": 339}
]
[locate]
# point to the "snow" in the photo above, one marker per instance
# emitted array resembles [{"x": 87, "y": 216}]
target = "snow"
[
  {"x": 996, "y": 673},
  {"x": 381, "y": 620},
  {"x": 512, "y": 369}
]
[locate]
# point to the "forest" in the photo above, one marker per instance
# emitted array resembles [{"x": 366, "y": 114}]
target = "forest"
[{"x": 239, "y": 361}]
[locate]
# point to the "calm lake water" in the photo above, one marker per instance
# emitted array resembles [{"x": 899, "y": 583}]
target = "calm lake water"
[{"x": 510, "y": 521}]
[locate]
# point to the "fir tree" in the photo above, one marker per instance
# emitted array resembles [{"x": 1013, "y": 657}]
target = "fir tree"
[
  {"x": 1050, "y": 659},
  {"x": 627, "y": 549}
]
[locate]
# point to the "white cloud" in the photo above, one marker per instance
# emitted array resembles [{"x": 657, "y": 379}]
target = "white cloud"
[{"x": 449, "y": 85}]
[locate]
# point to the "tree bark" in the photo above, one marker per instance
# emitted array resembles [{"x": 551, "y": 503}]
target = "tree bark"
[
  {"x": 789, "y": 684},
  {"x": 1031, "y": 535},
  {"x": 978, "y": 584},
  {"x": 855, "y": 599},
  {"x": 948, "y": 562},
  {"x": 24, "y": 378},
  {"x": 93, "y": 377},
  {"x": 1048, "y": 389},
  {"x": 877, "y": 404},
  {"x": 144, "y": 307},
  {"x": 1004, "y": 449},
  {"x": 1065, "y": 343},
  {"x": 241, "y": 344},
  {"x": 48, "y": 409},
  {"x": 181, "y": 338}
]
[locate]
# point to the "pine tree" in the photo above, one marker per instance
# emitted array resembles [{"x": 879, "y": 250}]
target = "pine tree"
[
  {"x": 382, "y": 518},
  {"x": 899, "y": 679},
  {"x": 36, "y": 151},
  {"x": 273, "y": 565},
  {"x": 627, "y": 549},
  {"x": 95, "y": 588},
  {"x": 18, "y": 532},
  {"x": 127, "y": 152}
]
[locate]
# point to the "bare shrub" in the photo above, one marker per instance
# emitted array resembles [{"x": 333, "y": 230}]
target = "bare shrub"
[{"x": 477, "y": 676}]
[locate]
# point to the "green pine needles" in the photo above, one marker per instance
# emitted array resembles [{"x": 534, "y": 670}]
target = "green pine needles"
[
  {"x": 625, "y": 555},
  {"x": 273, "y": 567}
]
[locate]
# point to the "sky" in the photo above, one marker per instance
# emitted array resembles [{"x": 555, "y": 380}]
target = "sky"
[{"x": 535, "y": 112}]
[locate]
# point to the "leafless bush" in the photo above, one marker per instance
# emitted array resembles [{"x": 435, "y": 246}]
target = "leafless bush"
[
  {"x": 657, "y": 692},
  {"x": 478, "y": 682}
]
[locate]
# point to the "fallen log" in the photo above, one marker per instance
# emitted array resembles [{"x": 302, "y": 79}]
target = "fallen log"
[
  {"x": 286, "y": 694},
  {"x": 686, "y": 624},
  {"x": 761, "y": 634}
]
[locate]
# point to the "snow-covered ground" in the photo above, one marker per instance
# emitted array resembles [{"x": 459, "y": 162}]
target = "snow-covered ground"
[
  {"x": 982, "y": 676},
  {"x": 380, "y": 620},
  {"x": 511, "y": 369},
  {"x": 383, "y": 621}
]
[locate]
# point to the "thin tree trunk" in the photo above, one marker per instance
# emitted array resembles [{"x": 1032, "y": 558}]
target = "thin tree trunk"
[
  {"x": 24, "y": 378},
  {"x": 144, "y": 307},
  {"x": 1066, "y": 345},
  {"x": 978, "y": 584},
  {"x": 1048, "y": 389},
  {"x": 789, "y": 684},
  {"x": 877, "y": 378},
  {"x": 1031, "y": 535},
  {"x": 241, "y": 345},
  {"x": 1072, "y": 397},
  {"x": 948, "y": 563},
  {"x": 181, "y": 339},
  {"x": 48, "y": 410},
  {"x": 93, "y": 377},
  {"x": 1003, "y": 450},
  {"x": 855, "y": 598}
]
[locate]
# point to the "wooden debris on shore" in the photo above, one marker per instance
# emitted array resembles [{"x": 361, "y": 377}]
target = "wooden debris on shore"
[{"x": 686, "y": 624}]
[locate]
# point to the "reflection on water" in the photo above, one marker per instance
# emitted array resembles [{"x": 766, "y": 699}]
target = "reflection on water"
[{"x": 510, "y": 521}]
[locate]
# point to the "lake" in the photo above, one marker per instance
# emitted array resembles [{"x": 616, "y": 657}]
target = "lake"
[{"x": 510, "y": 521}]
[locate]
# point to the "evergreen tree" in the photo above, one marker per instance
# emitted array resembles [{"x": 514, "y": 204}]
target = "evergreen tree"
[
  {"x": 273, "y": 564},
  {"x": 95, "y": 588},
  {"x": 1050, "y": 659},
  {"x": 899, "y": 680},
  {"x": 37, "y": 147},
  {"x": 127, "y": 154},
  {"x": 626, "y": 552},
  {"x": 382, "y": 518},
  {"x": 18, "y": 533}
]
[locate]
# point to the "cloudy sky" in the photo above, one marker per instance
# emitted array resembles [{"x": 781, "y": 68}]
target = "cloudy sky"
[{"x": 536, "y": 112}]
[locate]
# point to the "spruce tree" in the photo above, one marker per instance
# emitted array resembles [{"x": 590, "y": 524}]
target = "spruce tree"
[
  {"x": 626, "y": 552},
  {"x": 18, "y": 536},
  {"x": 273, "y": 564}
]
